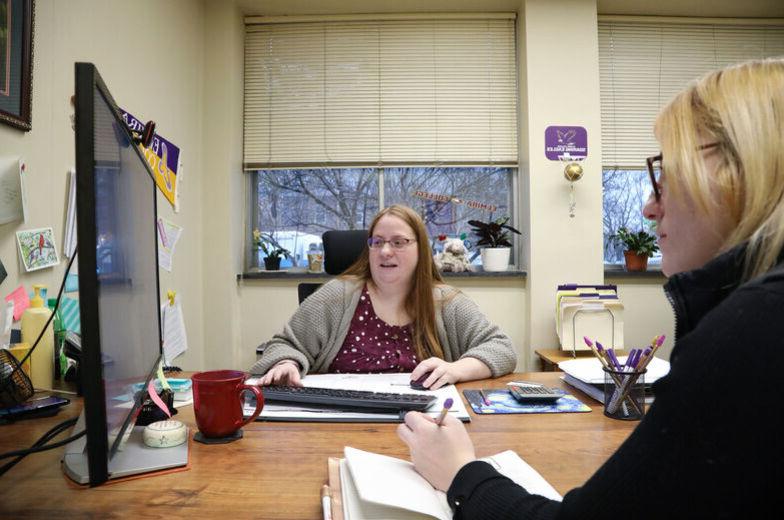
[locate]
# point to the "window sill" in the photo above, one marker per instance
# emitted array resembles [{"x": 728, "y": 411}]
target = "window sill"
[
  {"x": 618, "y": 271},
  {"x": 289, "y": 275}
]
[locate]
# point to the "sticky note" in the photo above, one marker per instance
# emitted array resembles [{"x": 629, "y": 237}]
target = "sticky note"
[
  {"x": 21, "y": 301},
  {"x": 72, "y": 283}
]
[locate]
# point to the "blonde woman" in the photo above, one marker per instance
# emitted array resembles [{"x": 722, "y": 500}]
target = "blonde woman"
[
  {"x": 709, "y": 446},
  {"x": 389, "y": 312}
]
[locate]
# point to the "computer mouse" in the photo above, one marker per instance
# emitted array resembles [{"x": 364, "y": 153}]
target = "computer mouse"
[{"x": 418, "y": 383}]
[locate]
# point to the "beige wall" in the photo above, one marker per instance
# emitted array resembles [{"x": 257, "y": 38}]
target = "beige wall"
[
  {"x": 180, "y": 62},
  {"x": 150, "y": 54}
]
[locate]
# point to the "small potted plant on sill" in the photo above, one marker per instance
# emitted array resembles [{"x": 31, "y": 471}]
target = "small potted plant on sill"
[
  {"x": 271, "y": 248},
  {"x": 494, "y": 241},
  {"x": 638, "y": 247}
]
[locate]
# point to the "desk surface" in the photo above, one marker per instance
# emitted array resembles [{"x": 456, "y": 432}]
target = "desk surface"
[{"x": 277, "y": 469}]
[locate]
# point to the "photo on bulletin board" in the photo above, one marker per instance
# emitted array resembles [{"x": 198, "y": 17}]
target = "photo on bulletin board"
[
  {"x": 16, "y": 62},
  {"x": 37, "y": 248}
]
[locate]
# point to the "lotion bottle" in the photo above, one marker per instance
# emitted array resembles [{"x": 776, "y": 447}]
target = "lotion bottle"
[{"x": 33, "y": 321}]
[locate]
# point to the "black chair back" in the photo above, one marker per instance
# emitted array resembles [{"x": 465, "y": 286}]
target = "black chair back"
[{"x": 341, "y": 249}]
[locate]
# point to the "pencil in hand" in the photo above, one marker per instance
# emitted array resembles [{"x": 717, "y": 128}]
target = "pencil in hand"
[{"x": 444, "y": 411}]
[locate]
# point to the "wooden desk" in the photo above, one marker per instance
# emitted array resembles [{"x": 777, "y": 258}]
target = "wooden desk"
[
  {"x": 277, "y": 469},
  {"x": 550, "y": 357}
]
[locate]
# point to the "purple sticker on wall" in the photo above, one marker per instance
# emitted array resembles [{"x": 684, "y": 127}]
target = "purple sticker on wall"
[{"x": 562, "y": 141}]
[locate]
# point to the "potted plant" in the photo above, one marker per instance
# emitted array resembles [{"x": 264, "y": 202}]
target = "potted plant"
[
  {"x": 638, "y": 247},
  {"x": 271, "y": 248},
  {"x": 495, "y": 238}
]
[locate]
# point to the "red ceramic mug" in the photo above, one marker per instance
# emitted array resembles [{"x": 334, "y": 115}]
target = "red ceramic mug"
[{"x": 217, "y": 401}]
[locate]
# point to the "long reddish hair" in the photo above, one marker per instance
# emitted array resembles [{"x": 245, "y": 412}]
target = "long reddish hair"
[{"x": 420, "y": 302}]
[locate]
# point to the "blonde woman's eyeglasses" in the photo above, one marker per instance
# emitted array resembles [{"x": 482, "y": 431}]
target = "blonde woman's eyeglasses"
[{"x": 655, "y": 168}]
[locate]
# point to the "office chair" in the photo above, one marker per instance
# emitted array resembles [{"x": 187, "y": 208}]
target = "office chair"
[{"x": 341, "y": 249}]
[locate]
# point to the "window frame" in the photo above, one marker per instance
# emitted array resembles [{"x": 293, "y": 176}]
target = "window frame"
[{"x": 516, "y": 264}]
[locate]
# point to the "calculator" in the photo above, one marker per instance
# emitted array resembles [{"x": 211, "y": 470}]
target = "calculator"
[{"x": 534, "y": 392}]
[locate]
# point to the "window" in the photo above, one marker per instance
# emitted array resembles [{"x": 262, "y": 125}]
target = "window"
[
  {"x": 642, "y": 66},
  {"x": 350, "y": 114},
  {"x": 296, "y": 206}
]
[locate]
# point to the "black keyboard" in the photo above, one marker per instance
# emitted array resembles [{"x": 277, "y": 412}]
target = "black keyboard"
[{"x": 361, "y": 400}]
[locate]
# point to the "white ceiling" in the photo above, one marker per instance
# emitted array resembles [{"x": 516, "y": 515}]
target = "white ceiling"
[{"x": 703, "y": 8}]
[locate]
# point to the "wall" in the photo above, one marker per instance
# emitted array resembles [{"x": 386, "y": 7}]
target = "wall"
[
  {"x": 150, "y": 55},
  {"x": 563, "y": 89},
  {"x": 224, "y": 189}
]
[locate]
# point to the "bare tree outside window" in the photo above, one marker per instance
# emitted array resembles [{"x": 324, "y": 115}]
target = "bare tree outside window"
[
  {"x": 624, "y": 195},
  {"x": 296, "y": 206}
]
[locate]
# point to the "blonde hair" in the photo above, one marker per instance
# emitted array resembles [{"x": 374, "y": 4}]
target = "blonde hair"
[
  {"x": 742, "y": 109},
  {"x": 420, "y": 303}
]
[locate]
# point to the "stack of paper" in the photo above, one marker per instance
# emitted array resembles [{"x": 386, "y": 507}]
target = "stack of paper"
[
  {"x": 366, "y": 481},
  {"x": 588, "y": 310},
  {"x": 586, "y": 375}
]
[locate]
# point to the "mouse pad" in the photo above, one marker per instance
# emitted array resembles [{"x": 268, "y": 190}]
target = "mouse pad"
[{"x": 501, "y": 401}]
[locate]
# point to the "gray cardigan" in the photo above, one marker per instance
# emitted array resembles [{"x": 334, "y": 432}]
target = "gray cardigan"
[{"x": 316, "y": 331}]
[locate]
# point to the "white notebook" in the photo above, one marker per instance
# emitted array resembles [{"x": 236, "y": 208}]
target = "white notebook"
[{"x": 376, "y": 487}]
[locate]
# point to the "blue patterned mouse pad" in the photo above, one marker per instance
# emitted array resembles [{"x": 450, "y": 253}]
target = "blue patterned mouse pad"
[{"x": 501, "y": 401}]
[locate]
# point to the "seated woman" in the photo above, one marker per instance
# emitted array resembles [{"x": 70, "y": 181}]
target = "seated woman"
[
  {"x": 389, "y": 312},
  {"x": 704, "y": 449}
]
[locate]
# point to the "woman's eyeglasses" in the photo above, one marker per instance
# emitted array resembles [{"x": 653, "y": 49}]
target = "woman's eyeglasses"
[
  {"x": 395, "y": 242},
  {"x": 655, "y": 168}
]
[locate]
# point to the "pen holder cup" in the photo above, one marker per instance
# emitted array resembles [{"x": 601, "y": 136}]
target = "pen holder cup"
[{"x": 624, "y": 394}]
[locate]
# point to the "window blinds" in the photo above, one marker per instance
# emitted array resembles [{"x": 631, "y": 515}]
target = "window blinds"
[
  {"x": 643, "y": 65},
  {"x": 387, "y": 92}
]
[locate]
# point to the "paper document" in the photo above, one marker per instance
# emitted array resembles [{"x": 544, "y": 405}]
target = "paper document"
[
  {"x": 366, "y": 481},
  {"x": 175, "y": 340},
  {"x": 589, "y": 370},
  {"x": 13, "y": 205},
  {"x": 168, "y": 235},
  {"x": 394, "y": 383},
  {"x": 69, "y": 240}
]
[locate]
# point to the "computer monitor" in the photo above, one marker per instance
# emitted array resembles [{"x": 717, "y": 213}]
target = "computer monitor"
[{"x": 118, "y": 291}]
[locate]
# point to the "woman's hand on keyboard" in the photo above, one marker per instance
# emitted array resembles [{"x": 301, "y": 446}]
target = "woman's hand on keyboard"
[{"x": 283, "y": 373}]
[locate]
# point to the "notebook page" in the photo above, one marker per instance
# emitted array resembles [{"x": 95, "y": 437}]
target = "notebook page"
[
  {"x": 509, "y": 464},
  {"x": 356, "y": 509},
  {"x": 401, "y": 486}
]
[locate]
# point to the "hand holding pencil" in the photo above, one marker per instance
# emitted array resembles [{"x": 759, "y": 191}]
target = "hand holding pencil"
[{"x": 439, "y": 447}]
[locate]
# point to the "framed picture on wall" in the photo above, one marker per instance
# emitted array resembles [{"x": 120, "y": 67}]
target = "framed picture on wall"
[{"x": 16, "y": 62}]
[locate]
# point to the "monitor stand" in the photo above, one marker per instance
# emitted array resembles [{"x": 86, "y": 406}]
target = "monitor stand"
[{"x": 134, "y": 457}]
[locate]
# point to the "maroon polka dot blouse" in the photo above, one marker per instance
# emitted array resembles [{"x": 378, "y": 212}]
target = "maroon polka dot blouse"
[{"x": 372, "y": 345}]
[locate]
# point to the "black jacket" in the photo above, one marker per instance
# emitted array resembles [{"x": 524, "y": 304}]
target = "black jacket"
[{"x": 710, "y": 446}]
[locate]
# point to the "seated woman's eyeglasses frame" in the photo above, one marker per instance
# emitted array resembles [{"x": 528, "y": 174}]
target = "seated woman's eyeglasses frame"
[
  {"x": 652, "y": 168},
  {"x": 395, "y": 242}
]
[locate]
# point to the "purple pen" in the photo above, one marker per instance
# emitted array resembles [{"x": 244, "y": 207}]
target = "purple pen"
[
  {"x": 614, "y": 359},
  {"x": 630, "y": 359},
  {"x": 599, "y": 347},
  {"x": 634, "y": 358},
  {"x": 587, "y": 341},
  {"x": 444, "y": 411}
]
